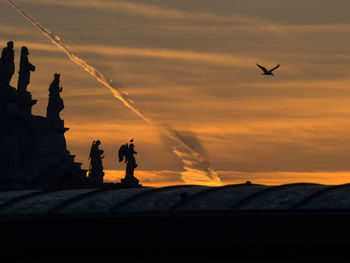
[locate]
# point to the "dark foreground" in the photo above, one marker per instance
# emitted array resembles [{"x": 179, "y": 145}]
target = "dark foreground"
[
  {"x": 192, "y": 237},
  {"x": 233, "y": 223}
]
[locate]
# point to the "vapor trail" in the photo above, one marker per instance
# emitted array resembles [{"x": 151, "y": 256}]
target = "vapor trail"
[{"x": 197, "y": 168}]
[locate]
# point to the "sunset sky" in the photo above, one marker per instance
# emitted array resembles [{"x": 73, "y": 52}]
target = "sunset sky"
[{"x": 190, "y": 66}]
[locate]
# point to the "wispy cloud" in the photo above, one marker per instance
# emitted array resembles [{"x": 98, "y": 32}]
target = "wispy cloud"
[
  {"x": 167, "y": 177},
  {"x": 320, "y": 28},
  {"x": 233, "y": 22},
  {"x": 14, "y": 30},
  {"x": 148, "y": 10},
  {"x": 157, "y": 178},
  {"x": 287, "y": 177},
  {"x": 213, "y": 58}
]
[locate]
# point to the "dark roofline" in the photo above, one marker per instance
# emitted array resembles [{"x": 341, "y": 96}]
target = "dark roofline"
[
  {"x": 208, "y": 191},
  {"x": 264, "y": 191},
  {"x": 26, "y": 196},
  {"x": 140, "y": 195},
  {"x": 82, "y": 196},
  {"x": 319, "y": 193}
]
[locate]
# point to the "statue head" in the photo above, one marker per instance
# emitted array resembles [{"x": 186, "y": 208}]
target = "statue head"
[
  {"x": 98, "y": 142},
  {"x": 10, "y": 44},
  {"x": 56, "y": 77},
  {"x": 24, "y": 51}
]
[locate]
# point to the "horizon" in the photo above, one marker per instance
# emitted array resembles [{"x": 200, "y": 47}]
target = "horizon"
[{"x": 164, "y": 178}]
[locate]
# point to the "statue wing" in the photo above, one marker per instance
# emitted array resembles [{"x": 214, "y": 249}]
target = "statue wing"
[
  {"x": 122, "y": 152},
  {"x": 92, "y": 148}
]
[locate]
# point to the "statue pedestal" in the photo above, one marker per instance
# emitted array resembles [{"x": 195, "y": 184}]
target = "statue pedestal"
[
  {"x": 130, "y": 182},
  {"x": 25, "y": 101},
  {"x": 96, "y": 179},
  {"x": 7, "y": 92}
]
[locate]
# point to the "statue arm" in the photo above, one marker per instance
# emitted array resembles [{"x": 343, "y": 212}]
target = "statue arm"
[{"x": 32, "y": 67}]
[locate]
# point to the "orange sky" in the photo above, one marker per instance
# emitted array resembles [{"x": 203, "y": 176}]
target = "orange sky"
[
  {"x": 165, "y": 177},
  {"x": 191, "y": 66}
]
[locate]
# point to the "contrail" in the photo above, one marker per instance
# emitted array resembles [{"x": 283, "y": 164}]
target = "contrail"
[{"x": 197, "y": 167}]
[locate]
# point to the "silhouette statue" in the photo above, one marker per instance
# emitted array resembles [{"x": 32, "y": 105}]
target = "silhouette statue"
[
  {"x": 24, "y": 71},
  {"x": 55, "y": 105},
  {"x": 96, "y": 168},
  {"x": 33, "y": 149},
  {"x": 268, "y": 72},
  {"x": 126, "y": 152},
  {"x": 7, "y": 64}
]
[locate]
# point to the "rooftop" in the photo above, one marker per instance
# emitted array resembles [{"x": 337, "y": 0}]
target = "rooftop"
[{"x": 180, "y": 198}]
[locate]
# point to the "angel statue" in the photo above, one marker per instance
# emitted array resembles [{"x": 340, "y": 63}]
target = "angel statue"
[
  {"x": 96, "y": 168},
  {"x": 126, "y": 152}
]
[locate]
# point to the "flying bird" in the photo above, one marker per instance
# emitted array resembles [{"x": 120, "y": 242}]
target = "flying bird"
[{"x": 268, "y": 72}]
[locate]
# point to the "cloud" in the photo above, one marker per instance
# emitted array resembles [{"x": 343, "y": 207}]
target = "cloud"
[
  {"x": 167, "y": 177},
  {"x": 232, "y": 22},
  {"x": 216, "y": 58},
  {"x": 157, "y": 178},
  {"x": 148, "y": 10},
  {"x": 320, "y": 28},
  {"x": 286, "y": 177},
  {"x": 14, "y": 30},
  {"x": 241, "y": 22}
]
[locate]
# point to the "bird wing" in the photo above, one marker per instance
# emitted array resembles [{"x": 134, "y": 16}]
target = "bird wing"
[
  {"x": 262, "y": 68},
  {"x": 275, "y": 68}
]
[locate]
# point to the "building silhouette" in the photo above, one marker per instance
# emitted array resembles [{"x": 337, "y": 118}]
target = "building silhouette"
[{"x": 33, "y": 151}]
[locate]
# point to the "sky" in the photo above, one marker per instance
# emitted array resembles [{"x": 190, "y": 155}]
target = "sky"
[{"x": 190, "y": 65}]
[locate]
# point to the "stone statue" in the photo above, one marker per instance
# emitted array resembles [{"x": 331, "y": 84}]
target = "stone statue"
[
  {"x": 24, "y": 71},
  {"x": 96, "y": 168},
  {"x": 127, "y": 152},
  {"x": 55, "y": 105},
  {"x": 7, "y": 64},
  {"x": 33, "y": 149}
]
